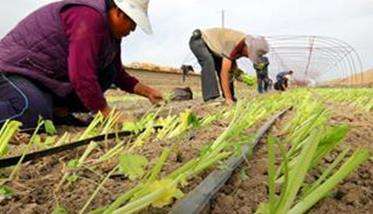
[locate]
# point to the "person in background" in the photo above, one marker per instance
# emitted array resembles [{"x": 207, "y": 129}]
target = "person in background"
[
  {"x": 269, "y": 84},
  {"x": 282, "y": 79},
  {"x": 261, "y": 69},
  {"x": 186, "y": 69},
  {"x": 61, "y": 59},
  {"x": 217, "y": 50}
]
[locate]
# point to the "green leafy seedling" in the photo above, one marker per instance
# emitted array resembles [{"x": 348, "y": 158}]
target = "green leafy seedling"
[
  {"x": 59, "y": 210},
  {"x": 49, "y": 127},
  {"x": 132, "y": 165},
  {"x": 6, "y": 192}
]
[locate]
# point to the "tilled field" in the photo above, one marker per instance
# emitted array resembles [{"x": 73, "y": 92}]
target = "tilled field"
[
  {"x": 40, "y": 186},
  {"x": 247, "y": 188}
]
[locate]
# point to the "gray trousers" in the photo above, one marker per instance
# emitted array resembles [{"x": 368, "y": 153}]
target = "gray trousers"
[{"x": 211, "y": 66}]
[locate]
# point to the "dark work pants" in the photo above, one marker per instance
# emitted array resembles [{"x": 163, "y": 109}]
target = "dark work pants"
[
  {"x": 262, "y": 81},
  {"x": 282, "y": 84},
  {"x": 25, "y": 101},
  {"x": 21, "y": 100},
  {"x": 211, "y": 67}
]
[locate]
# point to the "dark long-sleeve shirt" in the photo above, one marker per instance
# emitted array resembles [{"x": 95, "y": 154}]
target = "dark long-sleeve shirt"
[
  {"x": 262, "y": 64},
  {"x": 280, "y": 76},
  {"x": 85, "y": 28}
]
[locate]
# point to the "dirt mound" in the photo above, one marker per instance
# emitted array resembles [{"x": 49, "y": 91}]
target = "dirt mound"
[{"x": 360, "y": 79}]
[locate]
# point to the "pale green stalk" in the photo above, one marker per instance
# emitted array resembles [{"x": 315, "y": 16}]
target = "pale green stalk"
[
  {"x": 181, "y": 170},
  {"x": 7, "y": 131},
  {"x": 359, "y": 157},
  {"x": 331, "y": 140},
  {"x": 159, "y": 164},
  {"x": 87, "y": 152},
  {"x": 87, "y": 132},
  {"x": 142, "y": 202},
  {"x": 98, "y": 189},
  {"x": 327, "y": 172},
  {"x": 123, "y": 199},
  {"x": 111, "y": 121},
  {"x": 205, "y": 163},
  {"x": 296, "y": 176},
  {"x": 285, "y": 160},
  {"x": 64, "y": 139},
  {"x": 3, "y": 128},
  {"x": 81, "y": 160},
  {"x": 112, "y": 152},
  {"x": 28, "y": 147}
]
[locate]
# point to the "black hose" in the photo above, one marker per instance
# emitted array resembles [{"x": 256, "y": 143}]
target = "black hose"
[
  {"x": 11, "y": 161},
  {"x": 200, "y": 196}
]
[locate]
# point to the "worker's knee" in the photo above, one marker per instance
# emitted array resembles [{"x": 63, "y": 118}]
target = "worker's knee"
[
  {"x": 24, "y": 102},
  {"x": 40, "y": 105}
]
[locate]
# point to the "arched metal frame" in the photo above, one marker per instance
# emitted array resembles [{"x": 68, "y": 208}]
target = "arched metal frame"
[{"x": 318, "y": 58}]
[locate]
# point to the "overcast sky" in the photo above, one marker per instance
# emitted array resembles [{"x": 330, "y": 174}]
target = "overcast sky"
[{"x": 174, "y": 20}]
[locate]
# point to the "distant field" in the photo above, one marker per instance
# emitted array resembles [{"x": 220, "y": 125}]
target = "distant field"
[
  {"x": 168, "y": 81},
  {"x": 362, "y": 79}
]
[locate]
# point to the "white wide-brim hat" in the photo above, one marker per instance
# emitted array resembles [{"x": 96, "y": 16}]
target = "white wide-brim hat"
[
  {"x": 137, "y": 10},
  {"x": 256, "y": 45}
]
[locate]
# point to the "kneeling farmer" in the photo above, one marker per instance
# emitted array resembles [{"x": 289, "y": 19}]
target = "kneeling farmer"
[
  {"x": 217, "y": 50},
  {"x": 283, "y": 80},
  {"x": 61, "y": 58}
]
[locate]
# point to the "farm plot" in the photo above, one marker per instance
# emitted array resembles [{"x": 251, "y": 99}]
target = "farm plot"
[{"x": 302, "y": 164}]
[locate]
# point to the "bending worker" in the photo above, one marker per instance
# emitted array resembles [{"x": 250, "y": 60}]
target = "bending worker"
[
  {"x": 261, "y": 69},
  {"x": 217, "y": 50},
  {"x": 283, "y": 80},
  {"x": 61, "y": 58}
]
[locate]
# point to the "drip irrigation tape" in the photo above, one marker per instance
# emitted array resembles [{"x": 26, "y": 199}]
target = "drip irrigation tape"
[
  {"x": 11, "y": 161},
  {"x": 200, "y": 196}
]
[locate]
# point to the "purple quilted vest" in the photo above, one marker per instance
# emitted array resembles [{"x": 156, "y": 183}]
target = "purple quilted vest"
[{"x": 37, "y": 47}]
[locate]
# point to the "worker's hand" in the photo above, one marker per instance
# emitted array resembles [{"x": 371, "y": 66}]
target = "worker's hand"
[
  {"x": 106, "y": 111},
  {"x": 155, "y": 97},
  {"x": 229, "y": 102}
]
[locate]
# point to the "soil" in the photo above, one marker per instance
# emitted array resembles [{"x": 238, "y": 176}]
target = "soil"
[
  {"x": 36, "y": 187},
  {"x": 247, "y": 188},
  {"x": 354, "y": 194}
]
